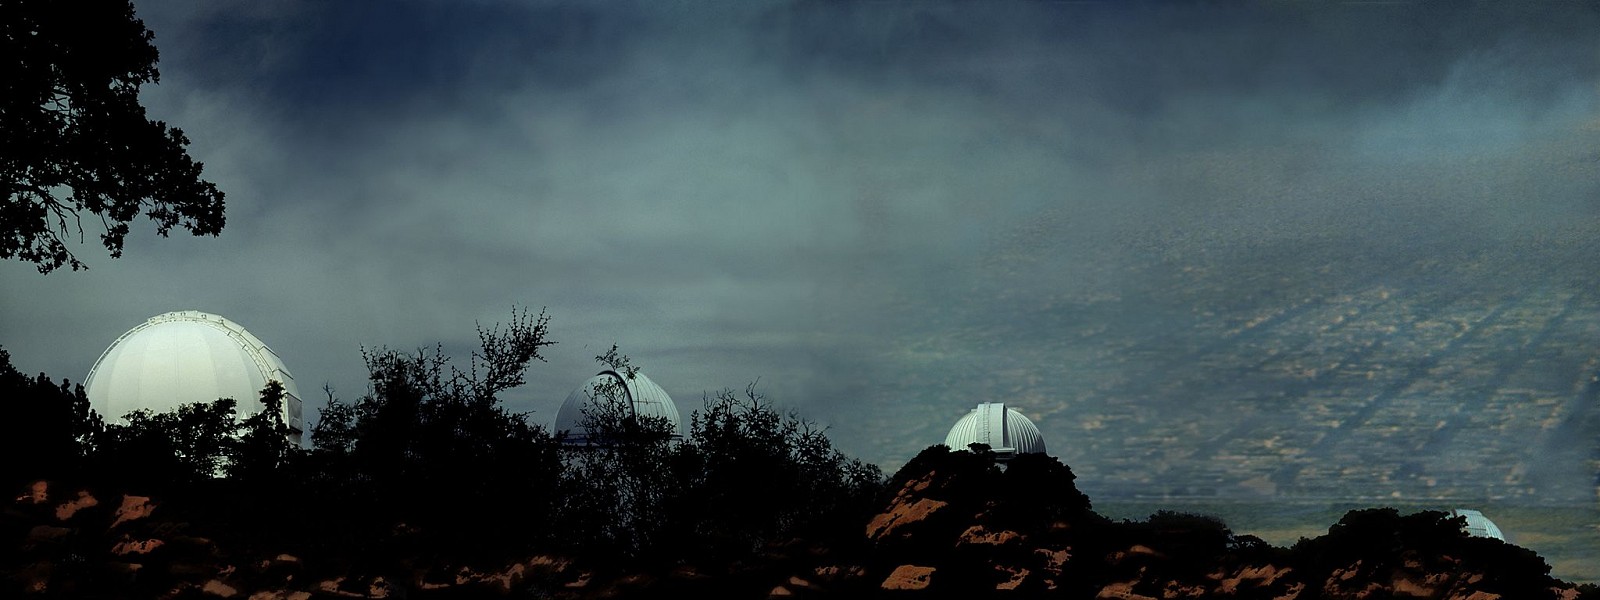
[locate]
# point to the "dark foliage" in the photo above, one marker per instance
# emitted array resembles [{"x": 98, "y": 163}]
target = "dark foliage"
[
  {"x": 1185, "y": 544},
  {"x": 74, "y": 139},
  {"x": 169, "y": 452},
  {"x": 1383, "y": 541},
  {"x": 263, "y": 451},
  {"x": 430, "y": 459},
  {"x": 745, "y": 476},
  {"x": 750, "y": 475},
  {"x": 49, "y": 424},
  {"x": 428, "y": 475},
  {"x": 1039, "y": 487},
  {"x": 617, "y": 485}
]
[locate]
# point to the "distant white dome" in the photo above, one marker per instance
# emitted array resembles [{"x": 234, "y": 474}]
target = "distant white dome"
[
  {"x": 188, "y": 357},
  {"x": 1478, "y": 525},
  {"x": 1005, "y": 430},
  {"x": 643, "y": 397}
]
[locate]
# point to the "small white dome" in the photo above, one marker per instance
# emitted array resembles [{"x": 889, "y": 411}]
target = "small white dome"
[
  {"x": 1478, "y": 525},
  {"x": 644, "y": 397},
  {"x": 188, "y": 357},
  {"x": 1006, "y": 431}
]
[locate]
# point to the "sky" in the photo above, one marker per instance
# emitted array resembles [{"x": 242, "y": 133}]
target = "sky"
[{"x": 809, "y": 193}]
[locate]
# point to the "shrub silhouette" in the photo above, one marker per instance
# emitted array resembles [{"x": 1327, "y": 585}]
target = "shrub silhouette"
[
  {"x": 430, "y": 460},
  {"x": 616, "y": 485},
  {"x": 161, "y": 453},
  {"x": 750, "y": 475},
  {"x": 744, "y": 477},
  {"x": 50, "y": 424},
  {"x": 1384, "y": 540}
]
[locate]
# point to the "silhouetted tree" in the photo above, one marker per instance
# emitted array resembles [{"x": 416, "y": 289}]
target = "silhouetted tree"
[
  {"x": 430, "y": 456},
  {"x": 74, "y": 138},
  {"x": 263, "y": 449},
  {"x": 168, "y": 451},
  {"x": 616, "y": 485},
  {"x": 48, "y": 430},
  {"x": 745, "y": 476},
  {"x": 1382, "y": 539},
  {"x": 1038, "y": 486},
  {"x": 752, "y": 476}
]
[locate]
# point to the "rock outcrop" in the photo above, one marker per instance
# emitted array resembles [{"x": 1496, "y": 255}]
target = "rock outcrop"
[{"x": 953, "y": 525}]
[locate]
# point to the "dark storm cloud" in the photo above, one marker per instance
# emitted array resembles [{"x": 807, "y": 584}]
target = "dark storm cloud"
[
  {"x": 400, "y": 59},
  {"x": 843, "y": 199}
]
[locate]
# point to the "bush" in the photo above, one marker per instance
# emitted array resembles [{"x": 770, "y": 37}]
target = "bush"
[
  {"x": 49, "y": 424},
  {"x": 429, "y": 458}
]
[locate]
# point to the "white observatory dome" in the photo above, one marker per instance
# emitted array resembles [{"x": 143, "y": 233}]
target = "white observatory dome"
[
  {"x": 188, "y": 357},
  {"x": 644, "y": 398},
  {"x": 1005, "y": 430},
  {"x": 1478, "y": 525}
]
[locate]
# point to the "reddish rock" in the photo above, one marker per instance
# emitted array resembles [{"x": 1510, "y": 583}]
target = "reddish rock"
[
  {"x": 548, "y": 564},
  {"x": 46, "y": 533},
  {"x": 1120, "y": 591},
  {"x": 280, "y": 595},
  {"x": 133, "y": 508},
  {"x": 1135, "y": 551},
  {"x": 581, "y": 582},
  {"x": 379, "y": 588},
  {"x": 1250, "y": 576},
  {"x": 71, "y": 507},
  {"x": 281, "y": 568},
  {"x": 1176, "y": 590},
  {"x": 788, "y": 588},
  {"x": 980, "y": 535},
  {"x": 832, "y": 573},
  {"x": 132, "y": 546},
  {"x": 1015, "y": 577},
  {"x": 1347, "y": 573},
  {"x": 38, "y": 493},
  {"x": 1054, "y": 559},
  {"x": 1421, "y": 587},
  {"x": 219, "y": 589},
  {"x": 500, "y": 581},
  {"x": 909, "y": 577},
  {"x": 901, "y": 515},
  {"x": 332, "y": 586}
]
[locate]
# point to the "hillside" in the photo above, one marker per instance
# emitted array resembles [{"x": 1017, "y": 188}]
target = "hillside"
[{"x": 951, "y": 523}]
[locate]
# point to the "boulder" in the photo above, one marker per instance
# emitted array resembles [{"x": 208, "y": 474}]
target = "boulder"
[{"x": 909, "y": 577}]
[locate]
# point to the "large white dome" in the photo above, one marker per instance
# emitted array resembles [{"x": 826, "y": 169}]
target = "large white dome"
[
  {"x": 644, "y": 398},
  {"x": 1006, "y": 431},
  {"x": 187, "y": 357},
  {"x": 1478, "y": 525}
]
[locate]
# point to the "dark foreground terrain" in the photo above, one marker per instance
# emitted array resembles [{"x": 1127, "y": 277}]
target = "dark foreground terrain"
[{"x": 951, "y": 523}]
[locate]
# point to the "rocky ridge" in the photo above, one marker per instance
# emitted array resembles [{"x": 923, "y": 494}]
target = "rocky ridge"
[{"x": 956, "y": 524}]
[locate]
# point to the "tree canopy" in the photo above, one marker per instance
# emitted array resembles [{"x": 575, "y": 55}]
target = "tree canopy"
[{"x": 74, "y": 138}]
